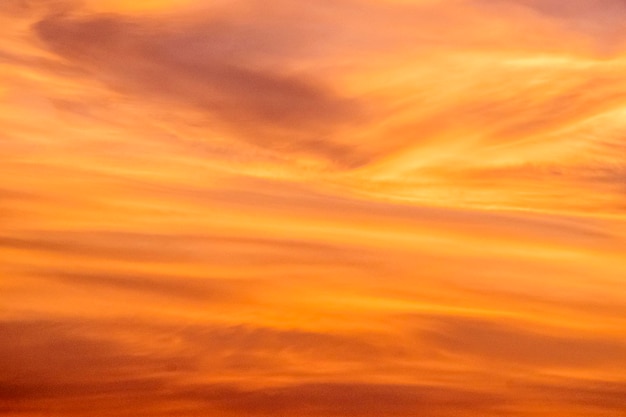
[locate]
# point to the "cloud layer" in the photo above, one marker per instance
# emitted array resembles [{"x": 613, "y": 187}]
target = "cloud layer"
[{"x": 331, "y": 208}]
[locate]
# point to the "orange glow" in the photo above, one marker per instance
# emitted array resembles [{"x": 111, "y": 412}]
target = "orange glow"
[{"x": 347, "y": 208}]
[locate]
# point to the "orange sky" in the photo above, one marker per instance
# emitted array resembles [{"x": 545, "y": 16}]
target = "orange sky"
[{"x": 335, "y": 208}]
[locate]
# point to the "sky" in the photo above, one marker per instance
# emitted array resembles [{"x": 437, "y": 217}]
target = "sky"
[{"x": 329, "y": 208}]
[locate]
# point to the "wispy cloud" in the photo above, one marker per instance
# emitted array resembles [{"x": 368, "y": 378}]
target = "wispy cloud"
[{"x": 330, "y": 208}]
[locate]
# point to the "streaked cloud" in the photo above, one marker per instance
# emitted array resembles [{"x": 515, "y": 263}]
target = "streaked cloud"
[{"x": 331, "y": 208}]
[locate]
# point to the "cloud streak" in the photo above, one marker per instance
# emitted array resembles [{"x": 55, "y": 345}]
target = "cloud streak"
[{"x": 332, "y": 208}]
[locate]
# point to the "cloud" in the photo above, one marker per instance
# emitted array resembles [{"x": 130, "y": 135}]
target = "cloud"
[
  {"x": 208, "y": 290},
  {"x": 66, "y": 363},
  {"x": 53, "y": 354},
  {"x": 602, "y": 20},
  {"x": 212, "y": 66},
  {"x": 172, "y": 248},
  {"x": 348, "y": 399},
  {"x": 594, "y": 394},
  {"x": 329, "y": 208},
  {"x": 125, "y": 367},
  {"x": 101, "y": 350},
  {"x": 510, "y": 344}
]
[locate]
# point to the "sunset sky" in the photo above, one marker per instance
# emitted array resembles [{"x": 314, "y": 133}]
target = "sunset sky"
[{"x": 327, "y": 208}]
